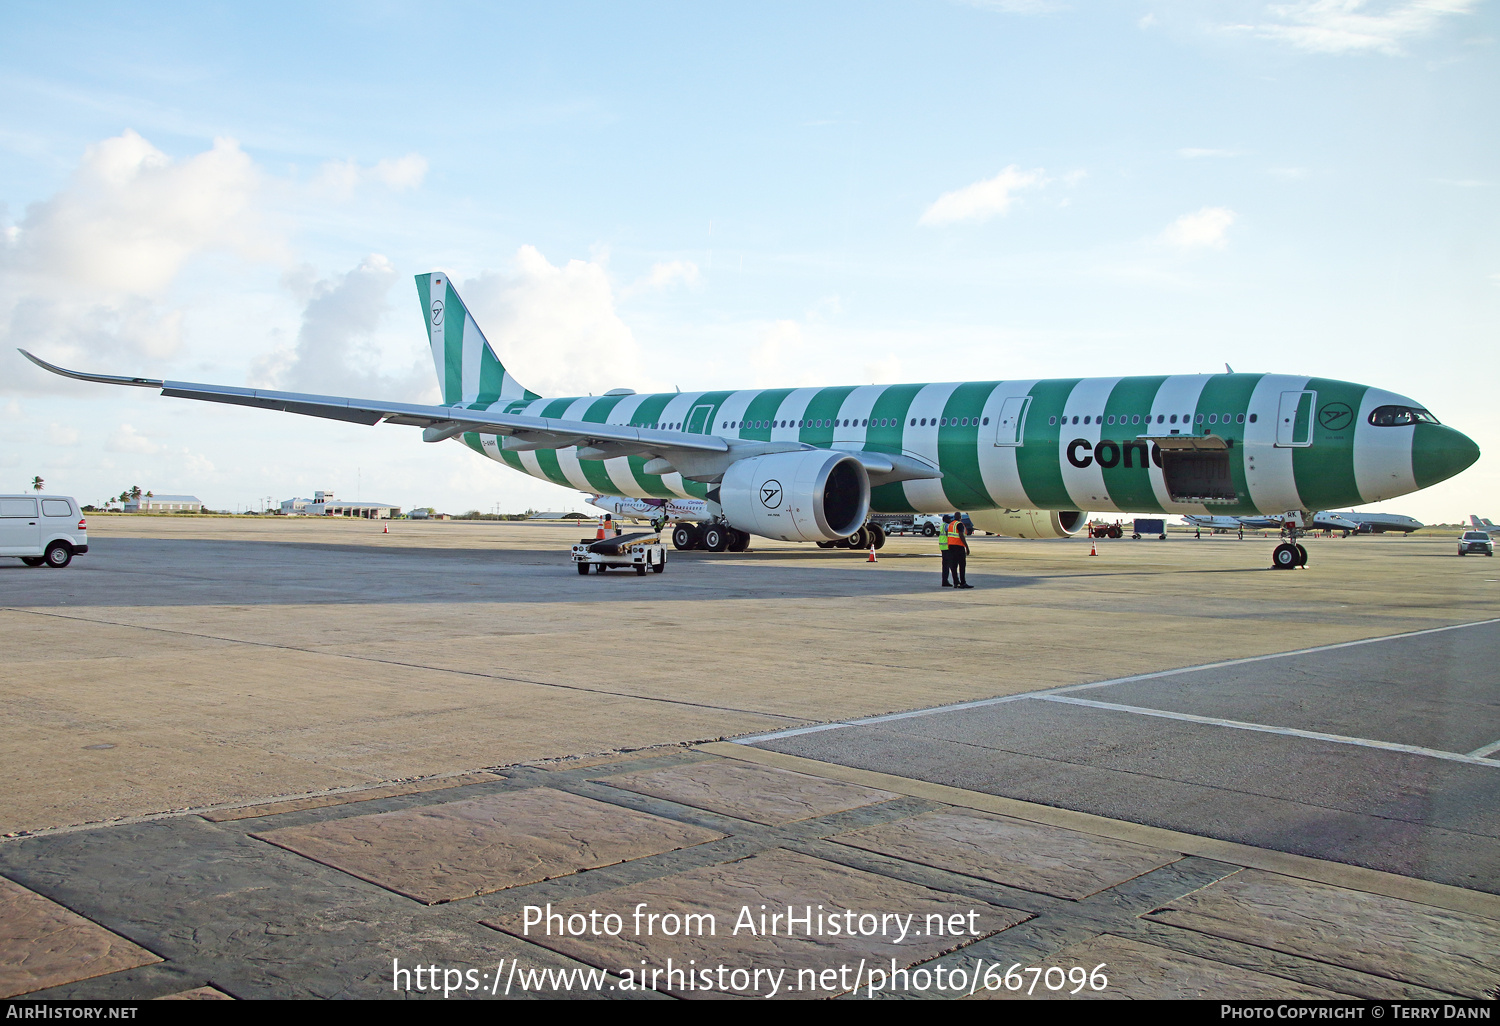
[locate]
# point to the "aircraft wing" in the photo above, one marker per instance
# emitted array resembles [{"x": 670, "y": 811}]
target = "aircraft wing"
[{"x": 603, "y": 441}]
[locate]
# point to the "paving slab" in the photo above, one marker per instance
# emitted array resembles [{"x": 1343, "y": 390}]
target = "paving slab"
[
  {"x": 760, "y": 794},
  {"x": 1401, "y": 940},
  {"x": 1033, "y": 857},
  {"x": 197, "y": 994},
  {"x": 364, "y": 794},
  {"x": 1138, "y": 971},
  {"x": 43, "y": 944},
  {"x": 460, "y": 849},
  {"x": 767, "y": 884}
]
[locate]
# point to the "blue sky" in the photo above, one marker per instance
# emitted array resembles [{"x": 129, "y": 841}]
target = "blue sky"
[{"x": 715, "y": 196}]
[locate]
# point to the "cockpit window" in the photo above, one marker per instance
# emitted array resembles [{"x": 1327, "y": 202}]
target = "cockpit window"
[{"x": 1398, "y": 416}]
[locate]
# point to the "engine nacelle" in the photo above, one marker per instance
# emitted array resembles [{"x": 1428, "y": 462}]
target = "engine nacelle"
[
  {"x": 1030, "y": 523},
  {"x": 810, "y": 495}
]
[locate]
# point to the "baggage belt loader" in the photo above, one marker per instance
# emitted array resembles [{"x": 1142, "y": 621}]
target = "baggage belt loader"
[{"x": 642, "y": 550}]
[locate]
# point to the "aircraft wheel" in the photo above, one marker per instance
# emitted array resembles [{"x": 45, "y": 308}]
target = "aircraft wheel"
[
  {"x": 858, "y": 540},
  {"x": 715, "y": 538},
  {"x": 877, "y": 535},
  {"x": 829, "y": 545},
  {"x": 685, "y": 536},
  {"x": 1285, "y": 557},
  {"x": 1301, "y": 556},
  {"x": 583, "y": 568},
  {"x": 739, "y": 540}
]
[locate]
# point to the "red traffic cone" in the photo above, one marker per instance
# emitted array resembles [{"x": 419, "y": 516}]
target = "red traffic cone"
[
  {"x": 385, "y": 530},
  {"x": 1093, "y": 546},
  {"x": 872, "y": 555}
]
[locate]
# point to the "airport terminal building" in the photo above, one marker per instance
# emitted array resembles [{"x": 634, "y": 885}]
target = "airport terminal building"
[{"x": 323, "y": 504}]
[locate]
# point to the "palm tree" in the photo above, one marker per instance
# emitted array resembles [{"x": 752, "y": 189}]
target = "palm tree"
[
  {"x": 135, "y": 491},
  {"x": 36, "y": 483}
]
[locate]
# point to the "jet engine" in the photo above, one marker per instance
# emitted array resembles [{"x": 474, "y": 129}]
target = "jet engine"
[
  {"x": 809, "y": 495},
  {"x": 1030, "y": 523}
]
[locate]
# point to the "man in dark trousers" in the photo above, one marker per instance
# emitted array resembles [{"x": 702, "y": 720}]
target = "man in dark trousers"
[
  {"x": 958, "y": 552},
  {"x": 943, "y": 551}
]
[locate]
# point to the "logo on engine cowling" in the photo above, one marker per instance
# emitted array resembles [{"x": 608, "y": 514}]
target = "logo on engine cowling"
[{"x": 770, "y": 494}]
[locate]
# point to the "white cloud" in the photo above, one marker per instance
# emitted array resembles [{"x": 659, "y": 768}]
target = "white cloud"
[
  {"x": 128, "y": 439},
  {"x": 985, "y": 199},
  {"x": 1355, "y": 26},
  {"x": 1197, "y": 153},
  {"x": 665, "y": 275},
  {"x": 1208, "y": 228},
  {"x": 342, "y": 177},
  {"x": 336, "y": 349},
  {"x": 85, "y": 270},
  {"x": 62, "y": 434},
  {"x": 556, "y": 328}
]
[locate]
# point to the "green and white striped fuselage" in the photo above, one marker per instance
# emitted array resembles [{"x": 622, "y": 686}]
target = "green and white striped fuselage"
[{"x": 1078, "y": 447}]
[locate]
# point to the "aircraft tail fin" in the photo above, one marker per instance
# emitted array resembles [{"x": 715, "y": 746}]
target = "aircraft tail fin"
[
  {"x": 468, "y": 370},
  {"x": 1481, "y": 523}
]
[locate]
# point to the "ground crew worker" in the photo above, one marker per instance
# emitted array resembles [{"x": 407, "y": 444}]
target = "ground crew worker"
[
  {"x": 958, "y": 552},
  {"x": 612, "y": 525},
  {"x": 943, "y": 551}
]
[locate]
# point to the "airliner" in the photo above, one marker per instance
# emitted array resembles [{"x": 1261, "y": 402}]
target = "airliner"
[
  {"x": 1484, "y": 524},
  {"x": 676, "y": 510},
  {"x": 811, "y": 464},
  {"x": 1323, "y": 520}
]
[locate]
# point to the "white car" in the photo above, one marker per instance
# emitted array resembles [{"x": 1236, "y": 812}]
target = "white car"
[
  {"x": 1476, "y": 541},
  {"x": 43, "y": 530}
]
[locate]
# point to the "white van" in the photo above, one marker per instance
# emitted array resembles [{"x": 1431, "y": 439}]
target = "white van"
[{"x": 44, "y": 530}]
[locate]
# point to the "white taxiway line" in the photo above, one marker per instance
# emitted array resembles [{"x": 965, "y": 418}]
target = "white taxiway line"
[
  {"x": 1315, "y": 735},
  {"x": 1480, "y": 753},
  {"x": 938, "y": 710}
]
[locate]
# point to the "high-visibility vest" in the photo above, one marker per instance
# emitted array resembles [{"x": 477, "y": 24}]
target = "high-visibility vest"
[
  {"x": 943, "y": 538},
  {"x": 956, "y": 534}
]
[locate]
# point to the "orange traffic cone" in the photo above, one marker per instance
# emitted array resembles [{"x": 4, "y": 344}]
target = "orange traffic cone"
[
  {"x": 385, "y": 530},
  {"x": 872, "y": 555},
  {"x": 1093, "y": 546}
]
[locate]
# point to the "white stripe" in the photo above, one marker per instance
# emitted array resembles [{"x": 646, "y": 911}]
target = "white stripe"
[
  {"x": 1268, "y": 470},
  {"x": 1480, "y": 753},
  {"x": 472, "y": 357},
  {"x": 1178, "y": 396},
  {"x": 926, "y": 496},
  {"x": 997, "y": 463},
  {"x": 1085, "y": 485},
  {"x": 938, "y": 710},
  {"x": 1382, "y": 455},
  {"x": 1315, "y": 735}
]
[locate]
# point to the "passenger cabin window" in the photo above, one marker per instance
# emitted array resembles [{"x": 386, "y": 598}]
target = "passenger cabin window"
[
  {"x": 56, "y": 508},
  {"x": 1399, "y": 416}
]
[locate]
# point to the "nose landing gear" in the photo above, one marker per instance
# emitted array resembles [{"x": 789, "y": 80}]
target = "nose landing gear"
[{"x": 1289, "y": 555}]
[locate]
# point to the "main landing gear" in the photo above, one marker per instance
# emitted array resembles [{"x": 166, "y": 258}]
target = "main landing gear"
[
  {"x": 870, "y": 535},
  {"x": 1290, "y": 554},
  {"x": 713, "y": 537}
]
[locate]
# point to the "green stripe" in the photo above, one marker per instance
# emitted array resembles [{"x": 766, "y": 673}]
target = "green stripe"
[
  {"x": 547, "y": 458},
  {"x": 1229, "y": 395},
  {"x": 958, "y": 446},
  {"x": 491, "y": 376},
  {"x": 424, "y": 296},
  {"x": 1039, "y": 457},
  {"x": 594, "y": 470},
  {"x": 824, "y": 405},
  {"x": 1130, "y": 488},
  {"x": 893, "y": 404},
  {"x": 647, "y": 413},
  {"x": 762, "y": 408},
  {"x": 1324, "y": 471},
  {"x": 471, "y": 439}
]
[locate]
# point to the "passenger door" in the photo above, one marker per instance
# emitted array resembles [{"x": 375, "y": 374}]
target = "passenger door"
[
  {"x": 19, "y": 533},
  {"x": 698, "y": 420},
  {"x": 1012, "y": 420},
  {"x": 1294, "y": 420}
]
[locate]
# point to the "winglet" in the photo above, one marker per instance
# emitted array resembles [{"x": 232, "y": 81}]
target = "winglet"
[{"x": 107, "y": 379}]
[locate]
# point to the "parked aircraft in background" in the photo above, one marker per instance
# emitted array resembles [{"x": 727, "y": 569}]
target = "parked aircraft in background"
[
  {"x": 1483, "y": 524},
  {"x": 810, "y": 464},
  {"x": 676, "y": 510},
  {"x": 1324, "y": 520}
]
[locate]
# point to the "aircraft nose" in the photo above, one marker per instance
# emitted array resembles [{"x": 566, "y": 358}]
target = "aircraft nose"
[{"x": 1438, "y": 453}]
